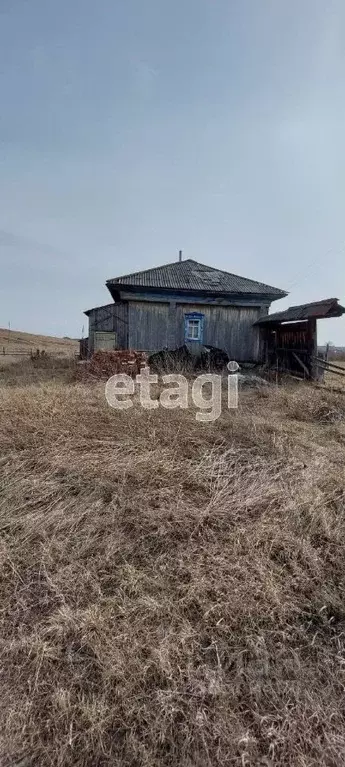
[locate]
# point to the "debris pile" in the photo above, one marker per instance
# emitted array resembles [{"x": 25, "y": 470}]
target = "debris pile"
[
  {"x": 104, "y": 364},
  {"x": 182, "y": 360}
]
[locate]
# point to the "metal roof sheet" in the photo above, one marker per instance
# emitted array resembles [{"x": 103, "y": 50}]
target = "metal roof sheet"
[
  {"x": 191, "y": 275},
  {"x": 329, "y": 307}
]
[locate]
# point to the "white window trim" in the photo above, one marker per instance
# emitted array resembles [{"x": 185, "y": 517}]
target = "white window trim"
[{"x": 192, "y": 324}]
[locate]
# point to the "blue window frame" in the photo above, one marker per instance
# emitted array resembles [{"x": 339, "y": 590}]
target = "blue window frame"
[{"x": 193, "y": 327}]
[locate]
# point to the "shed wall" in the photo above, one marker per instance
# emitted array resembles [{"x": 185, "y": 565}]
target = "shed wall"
[{"x": 111, "y": 318}]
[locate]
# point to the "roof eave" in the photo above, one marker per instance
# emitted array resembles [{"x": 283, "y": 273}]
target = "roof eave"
[
  {"x": 289, "y": 315},
  {"x": 93, "y": 308},
  {"x": 282, "y": 294},
  {"x": 116, "y": 287}
]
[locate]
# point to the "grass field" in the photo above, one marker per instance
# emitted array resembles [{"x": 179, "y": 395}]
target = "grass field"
[
  {"x": 333, "y": 379},
  {"x": 14, "y": 344},
  {"x": 172, "y": 592}
]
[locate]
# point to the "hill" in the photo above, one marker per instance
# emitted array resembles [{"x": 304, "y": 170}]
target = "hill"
[{"x": 16, "y": 342}]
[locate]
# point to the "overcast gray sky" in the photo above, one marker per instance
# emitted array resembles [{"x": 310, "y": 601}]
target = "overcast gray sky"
[{"x": 132, "y": 128}]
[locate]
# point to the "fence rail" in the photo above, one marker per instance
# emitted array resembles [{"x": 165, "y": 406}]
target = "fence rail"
[
  {"x": 328, "y": 367},
  {"x": 35, "y": 353}
]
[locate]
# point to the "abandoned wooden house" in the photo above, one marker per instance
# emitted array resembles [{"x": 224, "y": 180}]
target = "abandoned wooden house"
[
  {"x": 191, "y": 304},
  {"x": 184, "y": 302}
]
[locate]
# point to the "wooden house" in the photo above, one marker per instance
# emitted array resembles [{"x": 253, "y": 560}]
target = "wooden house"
[{"x": 185, "y": 302}]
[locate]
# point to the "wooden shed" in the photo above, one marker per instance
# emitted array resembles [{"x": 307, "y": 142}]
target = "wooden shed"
[
  {"x": 290, "y": 337},
  {"x": 184, "y": 302}
]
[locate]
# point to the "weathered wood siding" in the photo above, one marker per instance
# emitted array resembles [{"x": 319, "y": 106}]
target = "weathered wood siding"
[
  {"x": 227, "y": 327},
  {"x": 153, "y": 326},
  {"x": 110, "y": 318},
  {"x": 149, "y": 326}
]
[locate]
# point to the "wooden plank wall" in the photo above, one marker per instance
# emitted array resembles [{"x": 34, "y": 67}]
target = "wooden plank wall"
[
  {"x": 113, "y": 318},
  {"x": 154, "y": 326},
  {"x": 149, "y": 326},
  {"x": 227, "y": 327}
]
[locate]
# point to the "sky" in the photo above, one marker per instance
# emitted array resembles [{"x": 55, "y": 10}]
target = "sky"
[{"x": 131, "y": 129}]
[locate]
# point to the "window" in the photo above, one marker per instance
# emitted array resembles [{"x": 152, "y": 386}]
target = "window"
[
  {"x": 193, "y": 330},
  {"x": 193, "y": 327}
]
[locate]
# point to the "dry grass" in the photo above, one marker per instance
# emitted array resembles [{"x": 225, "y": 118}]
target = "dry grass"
[
  {"x": 172, "y": 593},
  {"x": 333, "y": 379},
  {"x": 15, "y": 344},
  {"x": 25, "y": 371},
  {"x": 306, "y": 403}
]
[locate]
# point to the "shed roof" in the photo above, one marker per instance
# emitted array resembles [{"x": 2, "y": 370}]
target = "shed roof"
[
  {"x": 191, "y": 275},
  {"x": 94, "y": 308},
  {"x": 329, "y": 307}
]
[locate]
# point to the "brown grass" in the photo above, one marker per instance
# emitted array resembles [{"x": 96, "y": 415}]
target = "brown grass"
[
  {"x": 172, "y": 592},
  {"x": 25, "y": 371},
  {"x": 14, "y": 345},
  {"x": 306, "y": 403},
  {"x": 334, "y": 380}
]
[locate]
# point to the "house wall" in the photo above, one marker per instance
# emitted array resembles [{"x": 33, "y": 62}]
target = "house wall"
[
  {"x": 110, "y": 318},
  {"x": 149, "y": 326},
  {"x": 157, "y": 325},
  {"x": 227, "y": 327}
]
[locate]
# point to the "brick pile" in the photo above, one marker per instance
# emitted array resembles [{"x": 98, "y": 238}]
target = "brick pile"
[{"x": 104, "y": 364}]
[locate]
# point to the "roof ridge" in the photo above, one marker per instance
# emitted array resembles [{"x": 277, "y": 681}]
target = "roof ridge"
[{"x": 152, "y": 269}]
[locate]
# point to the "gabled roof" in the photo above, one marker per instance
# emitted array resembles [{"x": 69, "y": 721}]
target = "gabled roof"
[
  {"x": 191, "y": 275},
  {"x": 329, "y": 307}
]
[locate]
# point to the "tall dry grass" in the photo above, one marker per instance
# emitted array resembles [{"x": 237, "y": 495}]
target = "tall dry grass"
[
  {"x": 24, "y": 371},
  {"x": 172, "y": 592}
]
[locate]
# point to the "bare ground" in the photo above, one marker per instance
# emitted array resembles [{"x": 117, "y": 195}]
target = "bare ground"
[{"x": 172, "y": 592}]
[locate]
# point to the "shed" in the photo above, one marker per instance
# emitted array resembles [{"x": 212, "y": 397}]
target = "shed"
[{"x": 290, "y": 337}]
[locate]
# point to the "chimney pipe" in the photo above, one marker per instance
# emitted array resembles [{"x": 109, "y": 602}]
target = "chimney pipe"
[{"x": 180, "y": 255}]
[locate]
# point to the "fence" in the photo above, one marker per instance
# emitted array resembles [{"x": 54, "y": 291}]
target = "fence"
[{"x": 35, "y": 354}]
